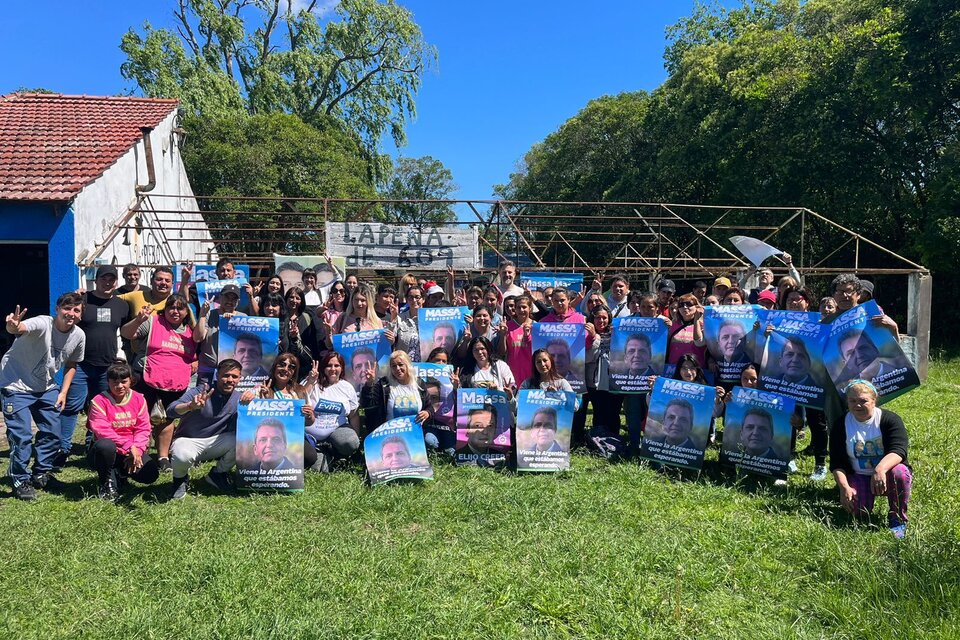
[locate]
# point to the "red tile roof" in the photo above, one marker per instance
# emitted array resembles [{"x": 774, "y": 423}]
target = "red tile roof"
[{"x": 52, "y": 145}]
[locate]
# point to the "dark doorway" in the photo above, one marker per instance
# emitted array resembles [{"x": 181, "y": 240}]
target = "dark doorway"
[{"x": 28, "y": 284}]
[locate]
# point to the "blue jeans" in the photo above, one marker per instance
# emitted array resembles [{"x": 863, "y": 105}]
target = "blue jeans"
[
  {"x": 88, "y": 382},
  {"x": 18, "y": 409}
]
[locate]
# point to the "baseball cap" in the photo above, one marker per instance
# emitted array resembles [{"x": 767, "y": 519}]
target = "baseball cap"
[
  {"x": 668, "y": 285},
  {"x": 721, "y": 281},
  {"x": 434, "y": 289},
  {"x": 767, "y": 295},
  {"x": 106, "y": 270},
  {"x": 230, "y": 288}
]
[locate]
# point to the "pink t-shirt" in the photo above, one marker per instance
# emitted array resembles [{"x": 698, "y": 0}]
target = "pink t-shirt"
[
  {"x": 126, "y": 423},
  {"x": 519, "y": 352},
  {"x": 681, "y": 343}
]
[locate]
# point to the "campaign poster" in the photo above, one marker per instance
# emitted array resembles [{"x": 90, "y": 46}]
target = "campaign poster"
[
  {"x": 544, "y": 424},
  {"x": 638, "y": 348},
  {"x": 270, "y": 445},
  {"x": 539, "y": 280},
  {"x": 366, "y": 354},
  {"x": 327, "y": 416},
  {"x": 209, "y": 290},
  {"x": 856, "y": 348},
  {"x": 396, "y": 450},
  {"x": 792, "y": 360},
  {"x": 207, "y": 272},
  {"x": 440, "y": 327},
  {"x": 290, "y": 269},
  {"x": 253, "y": 342},
  {"x": 757, "y": 431},
  {"x": 731, "y": 337},
  {"x": 484, "y": 419},
  {"x": 678, "y": 424},
  {"x": 436, "y": 379},
  {"x": 567, "y": 343}
]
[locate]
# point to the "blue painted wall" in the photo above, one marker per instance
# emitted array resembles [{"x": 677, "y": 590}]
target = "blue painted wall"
[{"x": 49, "y": 223}]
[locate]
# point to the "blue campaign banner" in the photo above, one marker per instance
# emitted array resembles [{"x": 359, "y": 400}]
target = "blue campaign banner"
[
  {"x": 567, "y": 343},
  {"x": 544, "y": 424},
  {"x": 366, "y": 354},
  {"x": 731, "y": 337},
  {"x": 857, "y": 348},
  {"x": 537, "y": 280},
  {"x": 209, "y": 290},
  {"x": 396, "y": 450},
  {"x": 484, "y": 419},
  {"x": 678, "y": 424},
  {"x": 638, "y": 348},
  {"x": 792, "y": 360},
  {"x": 757, "y": 431},
  {"x": 270, "y": 445},
  {"x": 440, "y": 327},
  {"x": 252, "y": 341},
  {"x": 436, "y": 379},
  {"x": 328, "y": 415},
  {"x": 208, "y": 272}
]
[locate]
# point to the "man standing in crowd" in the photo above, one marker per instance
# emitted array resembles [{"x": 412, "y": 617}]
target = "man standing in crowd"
[
  {"x": 209, "y": 348},
  {"x": 385, "y": 305},
  {"x": 103, "y": 316},
  {"x": 562, "y": 311},
  {"x": 619, "y": 295},
  {"x": 131, "y": 276},
  {"x": 207, "y": 431},
  {"x": 665, "y": 292},
  {"x": 29, "y": 390},
  {"x": 508, "y": 276}
]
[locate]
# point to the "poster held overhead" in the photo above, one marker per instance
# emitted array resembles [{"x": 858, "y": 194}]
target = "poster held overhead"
[
  {"x": 537, "y": 280},
  {"x": 270, "y": 445},
  {"x": 757, "y": 431},
  {"x": 366, "y": 354},
  {"x": 857, "y": 348},
  {"x": 396, "y": 450},
  {"x": 440, "y": 327},
  {"x": 678, "y": 423},
  {"x": 731, "y": 337},
  {"x": 566, "y": 342},
  {"x": 544, "y": 423}
]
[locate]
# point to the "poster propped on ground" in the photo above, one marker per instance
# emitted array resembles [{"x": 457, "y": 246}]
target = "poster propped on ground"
[
  {"x": 270, "y": 445},
  {"x": 440, "y": 327},
  {"x": 857, "y": 348},
  {"x": 731, "y": 337},
  {"x": 539, "y": 280},
  {"x": 436, "y": 379},
  {"x": 396, "y": 450},
  {"x": 792, "y": 361},
  {"x": 366, "y": 354},
  {"x": 484, "y": 419},
  {"x": 375, "y": 245},
  {"x": 678, "y": 424},
  {"x": 566, "y": 342},
  {"x": 756, "y": 431},
  {"x": 638, "y": 348},
  {"x": 251, "y": 341},
  {"x": 544, "y": 423},
  {"x": 290, "y": 268}
]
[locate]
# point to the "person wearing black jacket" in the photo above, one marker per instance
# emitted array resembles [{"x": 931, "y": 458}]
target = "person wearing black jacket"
[
  {"x": 397, "y": 394},
  {"x": 868, "y": 457}
]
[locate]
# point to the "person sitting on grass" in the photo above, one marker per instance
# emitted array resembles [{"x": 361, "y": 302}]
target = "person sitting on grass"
[
  {"x": 120, "y": 423},
  {"x": 868, "y": 457},
  {"x": 207, "y": 431}
]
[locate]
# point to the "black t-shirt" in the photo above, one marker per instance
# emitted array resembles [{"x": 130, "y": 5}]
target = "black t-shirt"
[{"x": 101, "y": 322}]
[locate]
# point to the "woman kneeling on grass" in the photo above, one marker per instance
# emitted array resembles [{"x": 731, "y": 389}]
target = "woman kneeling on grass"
[
  {"x": 868, "y": 457},
  {"x": 333, "y": 431},
  {"x": 120, "y": 424}
]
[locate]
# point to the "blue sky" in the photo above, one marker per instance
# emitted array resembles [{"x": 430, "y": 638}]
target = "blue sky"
[{"x": 509, "y": 73}]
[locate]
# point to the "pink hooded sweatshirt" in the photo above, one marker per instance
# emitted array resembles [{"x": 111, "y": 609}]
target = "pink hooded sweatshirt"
[{"x": 126, "y": 423}]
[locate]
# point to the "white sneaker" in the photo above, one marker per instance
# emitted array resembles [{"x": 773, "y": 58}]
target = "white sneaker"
[{"x": 819, "y": 474}]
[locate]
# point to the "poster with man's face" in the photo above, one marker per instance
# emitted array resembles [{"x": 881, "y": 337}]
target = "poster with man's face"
[
  {"x": 566, "y": 342},
  {"x": 678, "y": 423},
  {"x": 544, "y": 423},
  {"x": 290, "y": 268},
  {"x": 731, "y": 337},
  {"x": 440, "y": 327},
  {"x": 856, "y": 347},
  {"x": 436, "y": 380},
  {"x": 484, "y": 419},
  {"x": 396, "y": 450},
  {"x": 638, "y": 348},
  {"x": 366, "y": 354},
  {"x": 253, "y": 342},
  {"x": 792, "y": 361},
  {"x": 270, "y": 445},
  {"x": 756, "y": 431}
]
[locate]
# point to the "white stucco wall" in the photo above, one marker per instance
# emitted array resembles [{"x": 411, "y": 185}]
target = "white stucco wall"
[{"x": 103, "y": 203}]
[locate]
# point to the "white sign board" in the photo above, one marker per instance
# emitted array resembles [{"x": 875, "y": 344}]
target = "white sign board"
[{"x": 373, "y": 245}]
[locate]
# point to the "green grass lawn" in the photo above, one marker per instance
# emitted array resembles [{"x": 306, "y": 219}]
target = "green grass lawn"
[{"x": 601, "y": 551}]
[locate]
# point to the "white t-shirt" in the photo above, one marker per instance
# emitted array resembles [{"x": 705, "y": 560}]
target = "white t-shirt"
[
  {"x": 31, "y": 364},
  {"x": 403, "y": 400},
  {"x": 340, "y": 400},
  {"x": 498, "y": 372},
  {"x": 864, "y": 443}
]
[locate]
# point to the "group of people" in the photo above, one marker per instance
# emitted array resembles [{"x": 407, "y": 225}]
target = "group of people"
[{"x": 168, "y": 371}]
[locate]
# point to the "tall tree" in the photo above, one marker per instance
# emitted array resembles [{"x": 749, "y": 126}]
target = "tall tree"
[
  {"x": 424, "y": 178},
  {"x": 363, "y": 65}
]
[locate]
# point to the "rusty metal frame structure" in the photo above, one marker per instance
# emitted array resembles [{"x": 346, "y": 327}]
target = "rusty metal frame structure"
[{"x": 648, "y": 240}]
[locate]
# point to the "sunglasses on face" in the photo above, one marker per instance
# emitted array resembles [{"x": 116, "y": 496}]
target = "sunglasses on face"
[
  {"x": 686, "y": 305},
  {"x": 338, "y": 291},
  {"x": 289, "y": 366}
]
